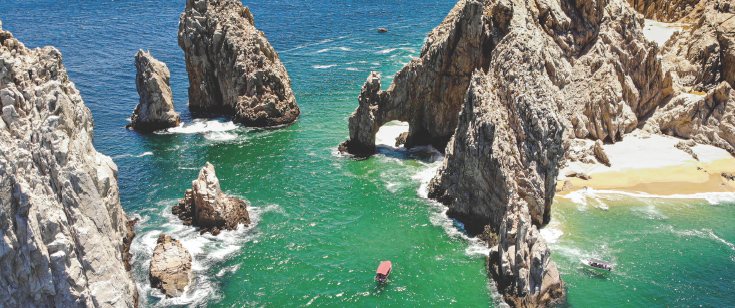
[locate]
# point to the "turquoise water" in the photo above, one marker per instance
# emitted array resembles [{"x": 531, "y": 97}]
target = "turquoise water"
[{"x": 322, "y": 222}]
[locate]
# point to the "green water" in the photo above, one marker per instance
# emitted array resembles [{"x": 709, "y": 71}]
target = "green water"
[
  {"x": 323, "y": 222},
  {"x": 668, "y": 252}
]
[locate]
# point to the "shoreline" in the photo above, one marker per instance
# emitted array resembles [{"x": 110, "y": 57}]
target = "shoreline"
[{"x": 652, "y": 165}]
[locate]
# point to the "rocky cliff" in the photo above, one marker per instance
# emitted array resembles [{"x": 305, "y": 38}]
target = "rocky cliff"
[
  {"x": 155, "y": 110},
  {"x": 666, "y": 10},
  {"x": 170, "y": 268},
  {"x": 63, "y": 231},
  {"x": 428, "y": 92},
  {"x": 207, "y": 207},
  {"x": 232, "y": 67},
  {"x": 541, "y": 73}
]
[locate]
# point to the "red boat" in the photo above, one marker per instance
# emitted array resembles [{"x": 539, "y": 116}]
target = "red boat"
[{"x": 383, "y": 271}]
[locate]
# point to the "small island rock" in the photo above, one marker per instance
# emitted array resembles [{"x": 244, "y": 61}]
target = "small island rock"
[
  {"x": 232, "y": 67},
  {"x": 155, "y": 110},
  {"x": 170, "y": 266},
  {"x": 207, "y": 207}
]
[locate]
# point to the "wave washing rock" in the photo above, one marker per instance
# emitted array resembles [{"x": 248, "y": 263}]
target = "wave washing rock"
[
  {"x": 63, "y": 231},
  {"x": 542, "y": 73},
  {"x": 156, "y": 107},
  {"x": 232, "y": 67},
  {"x": 170, "y": 266},
  {"x": 207, "y": 207},
  {"x": 428, "y": 92}
]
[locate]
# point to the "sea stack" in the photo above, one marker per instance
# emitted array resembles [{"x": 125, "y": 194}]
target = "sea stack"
[
  {"x": 207, "y": 207},
  {"x": 155, "y": 110},
  {"x": 63, "y": 230},
  {"x": 233, "y": 69},
  {"x": 170, "y": 269}
]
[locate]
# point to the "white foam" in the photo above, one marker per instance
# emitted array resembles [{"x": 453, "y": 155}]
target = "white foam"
[
  {"x": 147, "y": 153},
  {"x": 581, "y": 196},
  {"x": 352, "y": 69},
  {"x": 207, "y": 252},
  {"x": 388, "y": 133},
  {"x": 211, "y": 129},
  {"x": 324, "y": 66}
]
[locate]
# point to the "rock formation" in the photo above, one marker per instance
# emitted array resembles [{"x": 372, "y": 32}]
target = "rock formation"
[
  {"x": 428, "y": 92},
  {"x": 600, "y": 153},
  {"x": 155, "y": 110},
  {"x": 665, "y": 10},
  {"x": 232, "y": 68},
  {"x": 207, "y": 207},
  {"x": 170, "y": 266},
  {"x": 63, "y": 231}
]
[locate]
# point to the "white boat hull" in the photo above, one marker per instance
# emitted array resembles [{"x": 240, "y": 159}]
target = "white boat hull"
[{"x": 586, "y": 263}]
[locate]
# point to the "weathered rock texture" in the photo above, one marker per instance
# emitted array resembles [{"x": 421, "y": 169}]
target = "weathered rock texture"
[
  {"x": 170, "y": 266},
  {"x": 702, "y": 61},
  {"x": 665, "y": 10},
  {"x": 155, "y": 110},
  {"x": 62, "y": 228},
  {"x": 207, "y": 207},
  {"x": 232, "y": 67},
  {"x": 428, "y": 92}
]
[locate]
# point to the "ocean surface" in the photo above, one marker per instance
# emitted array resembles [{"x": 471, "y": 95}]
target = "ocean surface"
[{"x": 323, "y": 222}]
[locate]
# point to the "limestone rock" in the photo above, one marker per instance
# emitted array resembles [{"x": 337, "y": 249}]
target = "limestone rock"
[
  {"x": 207, "y": 207},
  {"x": 155, "y": 110},
  {"x": 600, "y": 153},
  {"x": 665, "y": 10},
  {"x": 401, "y": 139},
  {"x": 428, "y": 92},
  {"x": 232, "y": 67},
  {"x": 686, "y": 146},
  {"x": 63, "y": 232},
  {"x": 170, "y": 268},
  {"x": 567, "y": 186},
  {"x": 729, "y": 176}
]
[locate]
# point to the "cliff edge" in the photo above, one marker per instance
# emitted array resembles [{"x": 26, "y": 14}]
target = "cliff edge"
[{"x": 63, "y": 231}]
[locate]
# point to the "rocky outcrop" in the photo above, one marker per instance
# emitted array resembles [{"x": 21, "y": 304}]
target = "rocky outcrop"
[
  {"x": 155, "y": 110},
  {"x": 665, "y": 10},
  {"x": 207, "y": 207},
  {"x": 686, "y": 146},
  {"x": 170, "y": 269},
  {"x": 62, "y": 227},
  {"x": 428, "y": 92},
  {"x": 600, "y": 153},
  {"x": 232, "y": 67}
]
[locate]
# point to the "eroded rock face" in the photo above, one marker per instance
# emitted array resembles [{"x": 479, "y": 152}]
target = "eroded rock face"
[
  {"x": 232, "y": 67},
  {"x": 428, "y": 92},
  {"x": 207, "y": 207},
  {"x": 170, "y": 269},
  {"x": 155, "y": 110},
  {"x": 63, "y": 231},
  {"x": 665, "y": 10}
]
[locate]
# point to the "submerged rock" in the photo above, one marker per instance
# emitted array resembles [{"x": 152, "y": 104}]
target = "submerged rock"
[
  {"x": 232, "y": 67},
  {"x": 207, "y": 207},
  {"x": 156, "y": 107},
  {"x": 63, "y": 233},
  {"x": 170, "y": 268}
]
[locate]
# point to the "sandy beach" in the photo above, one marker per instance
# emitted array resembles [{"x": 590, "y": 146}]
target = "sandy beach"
[{"x": 652, "y": 164}]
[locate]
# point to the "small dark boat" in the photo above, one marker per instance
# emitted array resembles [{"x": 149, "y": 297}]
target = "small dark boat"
[
  {"x": 382, "y": 30},
  {"x": 383, "y": 271}
]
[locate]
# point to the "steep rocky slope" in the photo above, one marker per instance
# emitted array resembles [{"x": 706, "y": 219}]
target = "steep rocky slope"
[
  {"x": 63, "y": 232},
  {"x": 232, "y": 67},
  {"x": 543, "y": 73},
  {"x": 155, "y": 110},
  {"x": 666, "y": 10}
]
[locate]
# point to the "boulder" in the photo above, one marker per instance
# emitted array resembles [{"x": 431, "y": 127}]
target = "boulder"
[
  {"x": 155, "y": 110},
  {"x": 232, "y": 67},
  {"x": 170, "y": 269},
  {"x": 600, "y": 153},
  {"x": 207, "y": 207},
  {"x": 64, "y": 236}
]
